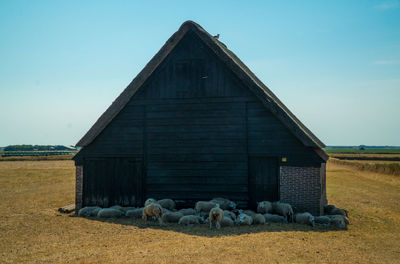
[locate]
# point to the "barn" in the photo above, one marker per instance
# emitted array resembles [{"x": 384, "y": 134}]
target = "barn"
[{"x": 195, "y": 124}]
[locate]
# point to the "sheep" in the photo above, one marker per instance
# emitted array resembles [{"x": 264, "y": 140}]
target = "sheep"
[
  {"x": 189, "y": 220},
  {"x": 322, "y": 220},
  {"x": 345, "y": 219},
  {"x": 230, "y": 214},
  {"x": 89, "y": 211},
  {"x": 135, "y": 213},
  {"x": 258, "y": 219},
  {"x": 339, "y": 221},
  {"x": 109, "y": 213},
  {"x": 216, "y": 215},
  {"x": 167, "y": 204},
  {"x": 171, "y": 217},
  {"x": 149, "y": 201},
  {"x": 188, "y": 211},
  {"x": 273, "y": 218},
  {"x": 224, "y": 204},
  {"x": 227, "y": 221},
  {"x": 283, "y": 209},
  {"x": 305, "y": 218},
  {"x": 264, "y": 207},
  {"x": 126, "y": 209},
  {"x": 330, "y": 209},
  {"x": 203, "y": 206},
  {"x": 249, "y": 213},
  {"x": 244, "y": 219},
  {"x": 153, "y": 209}
]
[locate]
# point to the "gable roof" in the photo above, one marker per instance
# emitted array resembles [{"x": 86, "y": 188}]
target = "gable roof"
[{"x": 269, "y": 100}]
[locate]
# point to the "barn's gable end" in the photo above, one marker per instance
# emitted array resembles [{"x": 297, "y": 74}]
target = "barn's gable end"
[{"x": 231, "y": 61}]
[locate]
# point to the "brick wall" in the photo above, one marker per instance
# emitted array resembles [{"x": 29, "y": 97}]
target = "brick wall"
[
  {"x": 302, "y": 188},
  {"x": 78, "y": 188}
]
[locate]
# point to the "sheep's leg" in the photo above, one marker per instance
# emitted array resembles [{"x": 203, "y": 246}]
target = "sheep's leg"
[
  {"x": 160, "y": 221},
  {"x": 210, "y": 223},
  {"x": 217, "y": 225}
]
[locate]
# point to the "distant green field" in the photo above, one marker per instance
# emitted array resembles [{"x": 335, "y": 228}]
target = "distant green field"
[{"x": 365, "y": 151}]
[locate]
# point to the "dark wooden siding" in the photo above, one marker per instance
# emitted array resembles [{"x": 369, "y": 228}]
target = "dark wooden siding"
[{"x": 195, "y": 125}]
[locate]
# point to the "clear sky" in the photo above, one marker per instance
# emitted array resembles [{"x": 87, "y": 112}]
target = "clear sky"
[{"x": 335, "y": 64}]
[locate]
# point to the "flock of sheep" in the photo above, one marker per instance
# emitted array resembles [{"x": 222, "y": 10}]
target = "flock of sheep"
[{"x": 220, "y": 212}]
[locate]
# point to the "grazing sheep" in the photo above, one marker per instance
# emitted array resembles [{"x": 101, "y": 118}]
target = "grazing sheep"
[
  {"x": 249, "y": 213},
  {"x": 305, "y": 218},
  {"x": 216, "y": 215},
  {"x": 135, "y": 213},
  {"x": 167, "y": 204},
  {"x": 258, "y": 219},
  {"x": 109, "y": 213},
  {"x": 149, "y": 201},
  {"x": 189, "y": 220},
  {"x": 339, "y": 221},
  {"x": 273, "y": 218},
  {"x": 117, "y": 207},
  {"x": 322, "y": 220},
  {"x": 171, "y": 217},
  {"x": 153, "y": 209},
  {"x": 203, "y": 206},
  {"x": 244, "y": 219},
  {"x": 89, "y": 211},
  {"x": 188, "y": 211},
  {"x": 264, "y": 207},
  {"x": 227, "y": 221},
  {"x": 224, "y": 204},
  {"x": 330, "y": 209},
  {"x": 283, "y": 209},
  {"x": 230, "y": 214}
]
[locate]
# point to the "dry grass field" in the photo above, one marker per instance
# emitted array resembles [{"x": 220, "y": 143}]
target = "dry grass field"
[{"x": 31, "y": 229}]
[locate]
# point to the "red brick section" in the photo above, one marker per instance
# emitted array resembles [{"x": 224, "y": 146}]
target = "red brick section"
[
  {"x": 78, "y": 188},
  {"x": 302, "y": 187}
]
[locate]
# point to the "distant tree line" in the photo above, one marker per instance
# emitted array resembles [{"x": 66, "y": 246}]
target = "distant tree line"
[{"x": 35, "y": 148}]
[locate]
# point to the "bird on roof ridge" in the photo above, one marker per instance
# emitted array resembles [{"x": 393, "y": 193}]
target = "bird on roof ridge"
[{"x": 216, "y": 36}]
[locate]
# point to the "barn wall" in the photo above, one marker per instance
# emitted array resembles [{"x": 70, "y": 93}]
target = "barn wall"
[{"x": 195, "y": 124}]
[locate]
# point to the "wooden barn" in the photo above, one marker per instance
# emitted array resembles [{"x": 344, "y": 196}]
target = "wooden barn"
[{"x": 195, "y": 124}]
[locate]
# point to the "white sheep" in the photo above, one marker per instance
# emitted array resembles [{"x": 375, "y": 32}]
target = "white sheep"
[
  {"x": 264, "y": 207},
  {"x": 304, "y": 218},
  {"x": 258, "y": 219},
  {"x": 109, "y": 213},
  {"x": 216, "y": 215},
  {"x": 149, "y": 201},
  {"x": 188, "y": 211},
  {"x": 224, "y": 204},
  {"x": 153, "y": 209},
  {"x": 189, "y": 220},
  {"x": 227, "y": 221},
  {"x": 273, "y": 218},
  {"x": 89, "y": 211},
  {"x": 230, "y": 214},
  {"x": 244, "y": 219},
  {"x": 204, "y": 206},
  {"x": 283, "y": 209},
  {"x": 135, "y": 213},
  {"x": 167, "y": 204},
  {"x": 171, "y": 217},
  {"x": 322, "y": 220},
  {"x": 249, "y": 212}
]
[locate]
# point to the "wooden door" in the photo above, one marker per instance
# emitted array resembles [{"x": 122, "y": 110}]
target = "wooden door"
[
  {"x": 112, "y": 181},
  {"x": 263, "y": 179}
]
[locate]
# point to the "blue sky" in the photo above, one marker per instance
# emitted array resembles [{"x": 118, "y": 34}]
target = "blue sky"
[{"x": 335, "y": 64}]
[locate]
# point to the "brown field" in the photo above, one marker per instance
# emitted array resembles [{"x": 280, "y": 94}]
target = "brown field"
[{"x": 31, "y": 230}]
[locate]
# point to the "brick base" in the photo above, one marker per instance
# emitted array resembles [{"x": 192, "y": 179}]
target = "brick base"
[
  {"x": 78, "y": 188},
  {"x": 302, "y": 188}
]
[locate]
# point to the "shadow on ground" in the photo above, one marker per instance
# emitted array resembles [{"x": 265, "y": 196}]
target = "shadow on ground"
[{"x": 204, "y": 230}]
